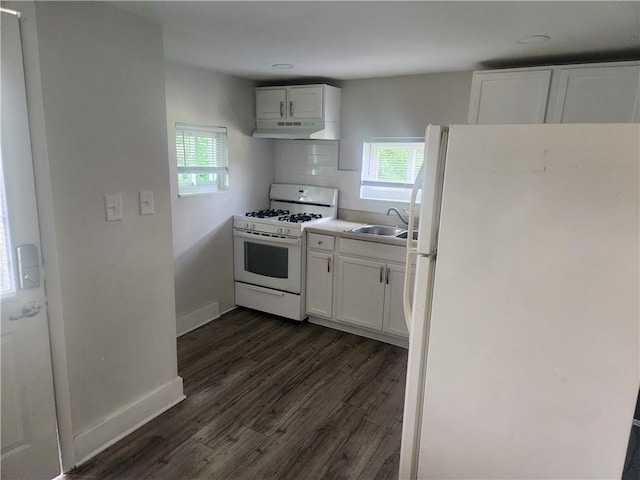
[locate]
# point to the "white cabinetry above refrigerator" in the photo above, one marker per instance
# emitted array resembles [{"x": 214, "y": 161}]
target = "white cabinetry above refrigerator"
[{"x": 580, "y": 93}]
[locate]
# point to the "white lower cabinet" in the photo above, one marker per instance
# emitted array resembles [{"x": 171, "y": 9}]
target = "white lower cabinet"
[
  {"x": 370, "y": 294},
  {"x": 361, "y": 292},
  {"x": 319, "y": 283},
  {"x": 394, "y": 321}
]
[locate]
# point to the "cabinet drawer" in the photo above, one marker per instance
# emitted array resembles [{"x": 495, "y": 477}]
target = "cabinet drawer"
[
  {"x": 321, "y": 242},
  {"x": 378, "y": 251}
]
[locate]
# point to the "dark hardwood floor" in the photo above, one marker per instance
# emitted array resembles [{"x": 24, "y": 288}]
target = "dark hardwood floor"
[{"x": 269, "y": 398}]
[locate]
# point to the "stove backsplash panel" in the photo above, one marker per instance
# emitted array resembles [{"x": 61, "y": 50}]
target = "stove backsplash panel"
[{"x": 306, "y": 162}]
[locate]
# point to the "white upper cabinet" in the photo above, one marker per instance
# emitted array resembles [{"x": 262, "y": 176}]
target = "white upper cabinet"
[
  {"x": 298, "y": 101},
  {"x": 298, "y": 112},
  {"x": 271, "y": 102},
  {"x": 306, "y": 102},
  {"x": 597, "y": 94},
  {"x": 587, "y": 93},
  {"x": 509, "y": 97}
]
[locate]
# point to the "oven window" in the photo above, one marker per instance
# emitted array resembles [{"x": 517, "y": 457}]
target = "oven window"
[{"x": 266, "y": 260}]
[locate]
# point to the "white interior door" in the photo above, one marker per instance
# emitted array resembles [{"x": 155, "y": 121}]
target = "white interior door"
[{"x": 29, "y": 435}]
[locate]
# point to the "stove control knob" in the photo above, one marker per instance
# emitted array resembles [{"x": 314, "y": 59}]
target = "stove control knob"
[
  {"x": 253, "y": 226},
  {"x": 279, "y": 229},
  {"x": 246, "y": 225},
  {"x": 287, "y": 231}
]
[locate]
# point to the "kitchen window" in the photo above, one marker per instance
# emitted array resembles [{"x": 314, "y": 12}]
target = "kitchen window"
[
  {"x": 202, "y": 157},
  {"x": 389, "y": 168}
]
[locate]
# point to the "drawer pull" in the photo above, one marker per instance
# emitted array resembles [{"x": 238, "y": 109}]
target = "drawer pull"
[{"x": 264, "y": 290}]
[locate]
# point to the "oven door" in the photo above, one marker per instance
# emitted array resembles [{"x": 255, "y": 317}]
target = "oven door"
[{"x": 271, "y": 262}]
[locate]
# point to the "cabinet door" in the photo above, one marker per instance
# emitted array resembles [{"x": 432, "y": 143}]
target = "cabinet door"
[
  {"x": 597, "y": 95},
  {"x": 319, "y": 283},
  {"x": 271, "y": 103},
  {"x": 509, "y": 97},
  {"x": 305, "y": 102},
  {"x": 360, "y": 292},
  {"x": 394, "y": 321}
]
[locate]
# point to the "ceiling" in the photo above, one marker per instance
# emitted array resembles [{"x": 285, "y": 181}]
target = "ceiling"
[{"x": 362, "y": 39}]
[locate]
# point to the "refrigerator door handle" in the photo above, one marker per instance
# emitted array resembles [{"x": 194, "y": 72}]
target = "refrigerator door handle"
[
  {"x": 436, "y": 139},
  {"x": 411, "y": 247},
  {"x": 405, "y": 292}
]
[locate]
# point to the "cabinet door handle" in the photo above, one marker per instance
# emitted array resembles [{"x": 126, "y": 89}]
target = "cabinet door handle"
[
  {"x": 291, "y": 107},
  {"x": 388, "y": 275},
  {"x": 381, "y": 274},
  {"x": 328, "y": 265},
  {"x": 281, "y": 109}
]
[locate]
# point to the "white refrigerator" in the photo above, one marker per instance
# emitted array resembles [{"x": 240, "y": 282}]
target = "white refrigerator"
[{"x": 524, "y": 327}]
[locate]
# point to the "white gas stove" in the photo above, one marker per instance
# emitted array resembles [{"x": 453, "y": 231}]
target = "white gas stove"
[
  {"x": 269, "y": 248},
  {"x": 292, "y": 208}
]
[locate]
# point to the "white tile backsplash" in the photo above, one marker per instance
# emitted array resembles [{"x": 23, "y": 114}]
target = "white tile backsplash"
[{"x": 308, "y": 162}]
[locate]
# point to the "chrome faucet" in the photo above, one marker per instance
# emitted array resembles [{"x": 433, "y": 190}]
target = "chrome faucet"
[{"x": 394, "y": 209}]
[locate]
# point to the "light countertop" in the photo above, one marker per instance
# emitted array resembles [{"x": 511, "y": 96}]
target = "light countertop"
[{"x": 341, "y": 228}]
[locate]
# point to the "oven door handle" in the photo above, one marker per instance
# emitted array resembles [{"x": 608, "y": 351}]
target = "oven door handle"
[
  {"x": 265, "y": 290},
  {"x": 268, "y": 239}
]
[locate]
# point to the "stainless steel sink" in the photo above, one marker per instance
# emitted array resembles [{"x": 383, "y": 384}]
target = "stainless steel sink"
[
  {"x": 382, "y": 230},
  {"x": 404, "y": 234}
]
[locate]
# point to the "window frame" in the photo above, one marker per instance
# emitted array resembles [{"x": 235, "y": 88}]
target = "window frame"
[
  {"x": 373, "y": 189},
  {"x": 203, "y": 188}
]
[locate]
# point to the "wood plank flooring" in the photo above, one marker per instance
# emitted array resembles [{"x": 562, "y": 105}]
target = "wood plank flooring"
[{"x": 269, "y": 398}]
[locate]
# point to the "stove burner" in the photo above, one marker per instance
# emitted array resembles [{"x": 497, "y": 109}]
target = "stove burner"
[
  {"x": 299, "y": 217},
  {"x": 267, "y": 213}
]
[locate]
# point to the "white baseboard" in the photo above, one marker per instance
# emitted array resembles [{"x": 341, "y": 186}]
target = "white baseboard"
[
  {"x": 124, "y": 421},
  {"x": 197, "y": 318},
  {"x": 363, "y": 332},
  {"x": 228, "y": 310}
]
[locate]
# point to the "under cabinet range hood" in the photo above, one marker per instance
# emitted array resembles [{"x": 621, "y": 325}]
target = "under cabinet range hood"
[
  {"x": 297, "y": 129},
  {"x": 298, "y": 112}
]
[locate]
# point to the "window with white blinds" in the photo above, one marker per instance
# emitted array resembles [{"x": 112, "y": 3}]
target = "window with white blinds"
[
  {"x": 202, "y": 157},
  {"x": 389, "y": 168},
  {"x": 7, "y": 283}
]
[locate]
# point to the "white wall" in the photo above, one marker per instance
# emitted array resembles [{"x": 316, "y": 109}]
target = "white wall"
[
  {"x": 202, "y": 236},
  {"x": 380, "y": 107},
  {"x": 104, "y": 121}
]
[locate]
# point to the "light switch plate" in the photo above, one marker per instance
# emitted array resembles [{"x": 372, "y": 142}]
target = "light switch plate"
[
  {"x": 146, "y": 203},
  {"x": 113, "y": 207}
]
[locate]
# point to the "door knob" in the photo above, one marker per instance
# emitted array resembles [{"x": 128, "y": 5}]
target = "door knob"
[{"x": 30, "y": 309}]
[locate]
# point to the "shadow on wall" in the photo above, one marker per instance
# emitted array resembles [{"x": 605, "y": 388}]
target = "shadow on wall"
[
  {"x": 234, "y": 105},
  {"x": 204, "y": 272}
]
